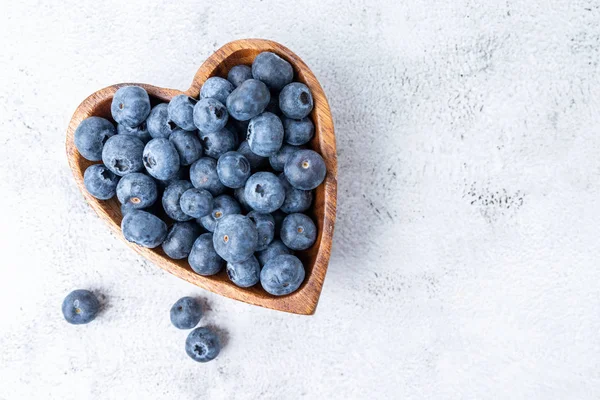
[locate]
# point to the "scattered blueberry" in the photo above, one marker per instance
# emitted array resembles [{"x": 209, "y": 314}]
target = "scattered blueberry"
[
  {"x": 80, "y": 307},
  {"x": 100, "y": 182},
  {"x": 171, "y": 198},
  {"x": 203, "y": 258},
  {"x": 295, "y": 100},
  {"x": 282, "y": 275},
  {"x": 235, "y": 238},
  {"x": 203, "y": 174},
  {"x": 202, "y": 345},
  {"x": 187, "y": 144},
  {"x": 130, "y": 106},
  {"x": 274, "y": 249},
  {"x": 223, "y": 205},
  {"x": 244, "y": 274},
  {"x": 296, "y": 200},
  {"x": 273, "y": 70},
  {"x": 298, "y": 131},
  {"x": 196, "y": 202},
  {"x": 263, "y": 192},
  {"x": 216, "y": 88},
  {"x": 186, "y": 313},
  {"x": 265, "y": 134},
  {"x": 298, "y": 231},
  {"x": 265, "y": 225},
  {"x": 137, "y": 189},
  {"x": 158, "y": 122},
  {"x": 143, "y": 228},
  {"x": 210, "y": 115},
  {"x": 180, "y": 239},
  {"x": 279, "y": 159},
  {"x": 248, "y": 100},
  {"x": 161, "y": 159},
  {"x": 238, "y": 74},
  {"x": 305, "y": 169},
  {"x": 140, "y": 132},
  {"x": 122, "y": 154},
  {"x": 181, "y": 111},
  {"x": 91, "y": 135},
  {"x": 218, "y": 143},
  {"x": 255, "y": 160},
  {"x": 233, "y": 169}
]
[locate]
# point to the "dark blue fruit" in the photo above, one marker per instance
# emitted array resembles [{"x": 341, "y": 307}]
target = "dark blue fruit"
[
  {"x": 161, "y": 159},
  {"x": 187, "y": 144},
  {"x": 140, "y": 132},
  {"x": 298, "y": 231},
  {"x": 238, "y": 74},
  {"x": 238, "y": 194},
  {"x": 296, "y": 200},
  {"x": 248, "y": 100},
  {"x": 126, "y": 208},
  {"x": 203, "y": 174},
  {"x": 282, "y": 275},
  {"x": 255, "y": 160},
  {"x": 235, "y": 238},
  {"x": 137, "y": 189},
  {"x": 90, "y": 136},
  {"x": 216, "y": 88},
  {"x": 295, "y": 100},
  {"x": 218, "y": 143},
  {"x": 181, "y": 111},
  {"x": 245, "y": 273},
  {"x": 130, "y": 106},
  {"x": 122, "y": 154},
  {"x": 265, "y": 134},
  {"x": 196, "y": 202},
  {"x": 171, "y": 198},
  {"x": 202, "y": 345},
  {"x": 186, "y": 313},
  {"x": 158, "y": 122},
  {"x": 210, "y": 115},
  {"x": 233, "y": 169},
  {"x": 263, "y": 192},
  {"x": 100, "y": 182},
  {"x": 279, "y": 159},
  {"x": 273, "y": 70},
  {"x": 274, "y": 249},
  {"x": 265, "y": 225},
  {"x": 180, "y": 239},
  {"x": 223, "y": 205},
  {"x": 143, "y": 228},
  {"x": 203, "y": 258},
  {"x": 80, "y": 307},
  {"x": 182, "y": 175},
  {"x": 298, "y": 131},
  {"x": 305, "y": 169}
]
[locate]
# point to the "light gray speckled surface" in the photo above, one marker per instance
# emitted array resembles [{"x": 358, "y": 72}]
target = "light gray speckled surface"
[{"x": 466, "y": 261}]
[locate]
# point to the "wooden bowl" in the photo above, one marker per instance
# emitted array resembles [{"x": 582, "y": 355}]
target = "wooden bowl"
[{"x": 315, "y": 259}]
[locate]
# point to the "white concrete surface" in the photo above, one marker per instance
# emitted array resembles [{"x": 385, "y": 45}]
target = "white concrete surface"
[{"x": 468, "y": 269}]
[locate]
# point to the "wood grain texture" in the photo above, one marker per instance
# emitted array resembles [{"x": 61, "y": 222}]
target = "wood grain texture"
[{"x": 316, "y": 259}]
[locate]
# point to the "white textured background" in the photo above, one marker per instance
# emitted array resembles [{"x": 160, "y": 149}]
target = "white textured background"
[{"x": 466, "y": 260}]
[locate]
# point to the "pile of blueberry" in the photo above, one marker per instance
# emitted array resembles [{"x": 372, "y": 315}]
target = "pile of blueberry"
[{"x": 230, "y": 169}]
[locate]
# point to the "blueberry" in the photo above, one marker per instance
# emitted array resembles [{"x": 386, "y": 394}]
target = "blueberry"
[
  {"x": 235, "y": 238},
  {"x": 210, "y": 115},
  {"x": 296, "y": 200},
  {"x": 233, "y": 169},
  {"x": 274, "y": 249},
  {"x": 265, "y": 134},
  {"x": 187, "y": 144},
  {"x": 122, "y": 154},
  {"x": 196, "y": 202},
  {"x": 305, "y": 169},
  {"x": 202, "y": 345},
  {"x": 158, "y": 122},
  {"x": 298, "y": 131},
  {"x": 171, "y": 198},
  {"x": 140, "y": 132},
  {"x": 278, "y": 159},
  {"x": 161, "y": 159},
  {"x": 203, "y": 174},
  {"x": 248, "y": 100},
  {"x": 216, "y": 88},
  {"x": 255, "y": 160},
  {"x": 137, "y": 189},
  {"x": 278, "y": 216},
  {"x": 238, "y": 74},
  {"x": 91, "y": 135},
  {"x": 181, "y": 111},
  {"x": 186, "y": 313},
  {"x": 238, "y": 194},
  {"x": 295, "y": 101},
  {"x": 143, "y": 228},
  {"x": 298, "y": 231},
  {"x": 100, "y": 182},
  {"x": 218, "y": 143},
  {"x": 272, "y": 70},
  {"x": 182, "y": 175},
  {"x": 244, "y": 274},
  {"x": 80, "y": 307},
  {"x": 126, "y": 208},
  {"x": 203, "y": 258},
  {"x": 263, "y": 192},
  {"x": 130, "y": 106},
  {"x": 180, "y": 239},
  {"x": 223, "y": 205},
  {"x": 282, "y": 275},
  {"x": 265, "y": 225}
]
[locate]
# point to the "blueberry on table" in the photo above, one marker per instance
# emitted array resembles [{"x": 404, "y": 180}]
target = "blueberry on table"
[
  {"x": 223, "y": 205},
  {"x": 305, "y": 169},
  {"x": 265, "y": 225},
  {"x": 282, "y": 275},
  {"x": 264, "y": 192},
  {"x": 210, "y": 115},
  {"x": 158, "y": 122},
  {"x": 188, "y": 146},
  {"x": 91, "y": 135},
  {"x": 161, "y": 159},
  {"x": 255, "y": 160},
  {"x": 100, "y": 182},
  {"x": 130, "y": 106},
  {"x": 238, "y": 74},
  {"x": 171, "y": 200},
  {"x": 298, "y": 131},
  {"x": 295, "y": 100},
  {"x": 186, "y": 313},
  {"x": 235, "y": 238},
  {"x": 248, "y": 100},
  {"x": 202, "y": 345},
  {"x": 203, "y": 258},
  {"x": 265, "y": 134},
  {"x": 196, "y": 202},
  {"x": 233, "y": 169},
  {"x": 244, "y": 274},
  {"x": 80, "y": 307},
  {"x": 203, "y": 174},
  {"x": 122, "y": 154},
  {"x": 274, "y": 249},
  {"x": 298, "y": 231},
  {"x": 143, "y": 228},
  {"x": 140, "y": 131},
  {"x": 180, "y": 239},
  {"x": 137, "y": 189},
  {"x": 273, "y": 70},
  {"x": 279, "y": 159},
  {"x": 218, "y": 143},
  {"x": 216, "y": 88},
  {"x": 181, "y": 111},
  {"x": 296, "y": 200}
]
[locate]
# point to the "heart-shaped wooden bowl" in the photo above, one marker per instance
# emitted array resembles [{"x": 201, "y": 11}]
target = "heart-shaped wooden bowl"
[{"x": 315, "y": 259}]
